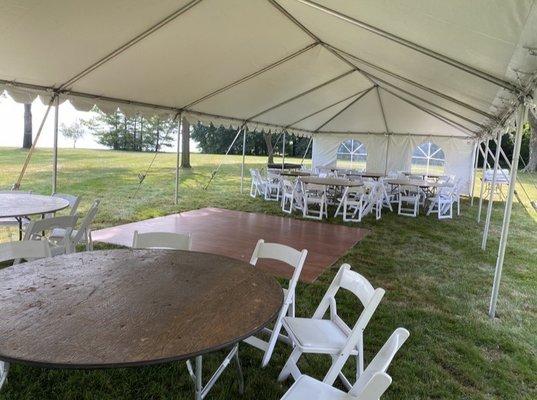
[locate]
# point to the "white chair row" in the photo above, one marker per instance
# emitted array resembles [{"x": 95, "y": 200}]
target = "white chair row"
[{"x": 268, "y": 187}]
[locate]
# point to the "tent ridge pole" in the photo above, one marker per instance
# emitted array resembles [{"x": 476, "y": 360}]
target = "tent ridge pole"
[
  {"x": 492, "y": 188},
  {"x": 522, "y": 117},
  {"x": 130, "y": 43},
  {"x": 417, "y": 84},
  {"x": 364, "y": 93},
  {"x": 414, "y": 46}
]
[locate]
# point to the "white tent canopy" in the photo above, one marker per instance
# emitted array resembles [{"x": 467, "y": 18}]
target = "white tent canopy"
[{"x": 423, "y": 67}]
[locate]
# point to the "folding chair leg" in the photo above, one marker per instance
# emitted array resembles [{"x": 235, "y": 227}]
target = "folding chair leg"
[{"x": 290, "y": 367}]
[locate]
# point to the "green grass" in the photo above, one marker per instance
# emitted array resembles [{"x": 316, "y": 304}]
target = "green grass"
[{"x": 437, "y": 283}]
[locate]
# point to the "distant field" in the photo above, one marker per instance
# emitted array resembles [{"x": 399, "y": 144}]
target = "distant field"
[{"x": 437, "y": 283}]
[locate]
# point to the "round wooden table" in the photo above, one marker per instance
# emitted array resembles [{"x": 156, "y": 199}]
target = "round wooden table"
[
  {"x": 19, "y": 205},
  {"x": 415, "y": 182},
  {"x": 118, "y": 308}
]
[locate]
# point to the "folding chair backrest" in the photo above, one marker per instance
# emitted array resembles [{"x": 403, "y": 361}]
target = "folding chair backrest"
[
  {"x": 36, "y": 227},
  {"x": 74, "y": 201},
  {"x": 161, "y": 240},
  {"x": 380, "y": 363},
  {"x": 25, "y": 249},
  {"x": 85, "y": 225}
]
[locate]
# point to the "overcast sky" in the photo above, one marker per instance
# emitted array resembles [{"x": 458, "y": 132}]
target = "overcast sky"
[{"x": 12, "y": 125}]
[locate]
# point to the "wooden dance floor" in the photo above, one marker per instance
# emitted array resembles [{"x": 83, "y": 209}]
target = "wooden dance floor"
[{"x": 235, "y": 234}]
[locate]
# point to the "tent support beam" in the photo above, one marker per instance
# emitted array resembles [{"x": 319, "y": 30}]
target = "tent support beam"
[
  {"x": 326, "y": 108},
  {"x": 55, "y": 146},
  {"x": 521, "y": 118},
  {"x": 243, "y": 157},
  {"x": 163, "y": 22},
  {"x": 239, "y": 131},
  {"x": 446, "y": 120},
  {"x": 417, "y": 85},
  {"x": 492, "y": 189},
  {"x": 474, "y": 170},
  {"x": 313, "y": 89},
  {"x": 485, "y": 163},
  {"x": 383, "y": 82},
  {"x": 382, "y": 111},
  {"x": 283, "y": 151},
  {"x": 345, "y": 108},
  {"x": 414, "y": 46},
  {"x": 17, "y": 184},
  {"x": 252, "y": 75},
  {"x": 178, "y": 160}
]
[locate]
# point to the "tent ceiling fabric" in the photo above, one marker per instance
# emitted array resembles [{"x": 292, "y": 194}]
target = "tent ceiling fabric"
[{"x": 234, "y": 62}]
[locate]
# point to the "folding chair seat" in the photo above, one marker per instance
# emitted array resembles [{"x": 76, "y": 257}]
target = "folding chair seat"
[
  {"x": 161, "y": 240},
  {"x": 315, "y": 203},
  {"x": 370, "y": 386},
  {"x": 295, "y": 259},
  {"x": 333, "y": 336}
]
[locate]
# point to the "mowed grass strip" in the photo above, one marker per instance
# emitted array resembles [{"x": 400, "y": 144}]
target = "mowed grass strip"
[{"x": 437, "y": 283}]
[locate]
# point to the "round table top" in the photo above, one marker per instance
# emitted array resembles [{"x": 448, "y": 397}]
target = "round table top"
[
  {"x": 117, "y": 308},
  {"x": 23, "y": 204},
  {"x": 330, "y": 181},
  {"x": 414, "y": 182},
  {"x": 368, "y": 174}
]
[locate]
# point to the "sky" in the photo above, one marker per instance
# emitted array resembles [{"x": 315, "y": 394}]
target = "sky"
[{"x": 12, "y": 125}]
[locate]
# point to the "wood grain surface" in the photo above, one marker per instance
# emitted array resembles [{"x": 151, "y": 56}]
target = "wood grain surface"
[{"x": 118, "y": 308}]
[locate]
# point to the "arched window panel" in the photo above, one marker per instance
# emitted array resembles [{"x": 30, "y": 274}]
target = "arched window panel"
[
  {"x": 352, "y": 154},
  {"x": 428, "y": 158}
]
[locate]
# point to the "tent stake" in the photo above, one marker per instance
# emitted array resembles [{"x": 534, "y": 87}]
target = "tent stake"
[
  {"x": 17, "y": 184},
  {"x": 485, "y": 162},
  {"x": 225, "y": 155},
  {"x": 492, "y": 188},
  {"x": 55, "y": 148},
  {"x": 522, "y": 116},
  {"x": 178, "y": 161},
  {"x": 243, "y": 158}
]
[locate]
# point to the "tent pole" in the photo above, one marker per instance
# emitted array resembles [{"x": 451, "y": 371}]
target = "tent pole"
[
  {"x": 492, "y": 188},
  {"x": 243, "y": 158},
  {"x": 178, "y": 160},
  {"x": 55, "y": 147},
  {"x": 485, "y": 162},
  {"x": 227, "y": 152},
  {"x": 474, "y": 170},
  {"x": 522, "y": 117},
  {"x": 306, "y": 152},
  {"x": 283, "y": 151},
  {"x": 387, "y": 154},
  {"x": 17, "y": 184}
]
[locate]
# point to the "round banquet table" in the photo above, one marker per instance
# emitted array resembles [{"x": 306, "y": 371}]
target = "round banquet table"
[
  {"x": 415, "y": 182},
  {"x": 294, "y": 173},
  {"x": 118, "y": 308},
  {"x": 19, "y": 205}
]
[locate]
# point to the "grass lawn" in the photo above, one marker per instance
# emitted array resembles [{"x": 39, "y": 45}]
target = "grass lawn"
[{"x": 437, "y": 282}]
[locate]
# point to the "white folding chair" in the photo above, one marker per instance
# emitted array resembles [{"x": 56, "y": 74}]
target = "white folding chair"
[
  {"x": 162, "y": 240},
  {"x": 295, "y": 259},
  {"x": 315, "y": 203},
  {"x": 82, "y": 235},
  {"x": 73, "y": 200},
  {"x": 16, "y": 251},
  {"x": 257, "y": 186},
  {"x": 370, "y": 386},
  {"x": 409, "y": 201},
  {"x": 442, "y": 203},
  {"x": 37, "y": 230},
  {"x": 333, "y": 336},
  {"x": 25, "y": 249},
  {"x": 272, "y": 187},
  {"x": 352, "y": 204},
  {"x": 288, "y": 196}
]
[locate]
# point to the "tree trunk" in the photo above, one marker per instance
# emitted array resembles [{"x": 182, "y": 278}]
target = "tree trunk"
[
  {"x": 270, "y": 149},
  {"x": 27, "y": 141},
  {"x": 532, "y": 163},
  {"x": 185, "y": 141}
]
